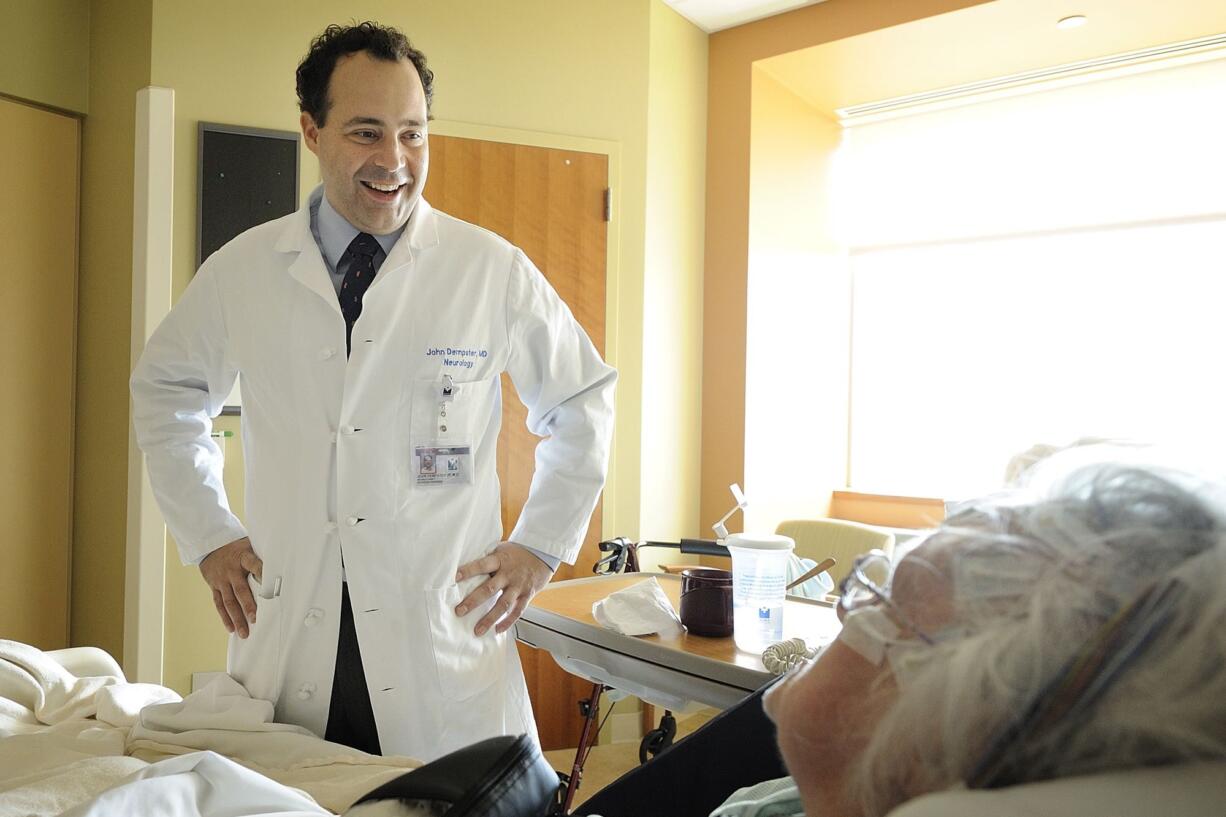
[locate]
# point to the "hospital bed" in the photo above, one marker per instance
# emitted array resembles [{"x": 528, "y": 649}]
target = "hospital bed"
[{"x": 48, "y": 769}]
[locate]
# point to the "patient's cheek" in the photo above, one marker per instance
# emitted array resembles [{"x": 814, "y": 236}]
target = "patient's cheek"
[
  {"x": 810, "y": 704},
  {"x": 772, "y": 701},
  {"x": 818, "y": 715}
]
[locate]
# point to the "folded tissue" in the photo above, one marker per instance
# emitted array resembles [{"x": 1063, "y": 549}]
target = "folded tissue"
[{"x": 640, "y": 609}]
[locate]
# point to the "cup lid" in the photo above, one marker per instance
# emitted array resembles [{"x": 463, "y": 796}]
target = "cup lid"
[{"x": 760, "y": 541}]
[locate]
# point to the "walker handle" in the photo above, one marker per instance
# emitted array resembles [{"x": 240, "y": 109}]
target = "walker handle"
[{"x": 703, "y": 547}]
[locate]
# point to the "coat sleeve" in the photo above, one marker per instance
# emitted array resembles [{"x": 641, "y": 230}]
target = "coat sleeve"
[
  {"x": 568, "y": 391},
  {"x": 180, "y": 383}
]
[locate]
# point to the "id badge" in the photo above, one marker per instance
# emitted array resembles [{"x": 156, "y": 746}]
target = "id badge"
[{"x": 443, "y": 465}]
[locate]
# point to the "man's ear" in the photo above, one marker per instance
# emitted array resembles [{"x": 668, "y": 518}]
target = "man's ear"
[{"x": 310, "y": 132}]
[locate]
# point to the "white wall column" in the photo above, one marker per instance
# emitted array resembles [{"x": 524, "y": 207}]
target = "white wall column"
[{"x": 144, "y": 594}]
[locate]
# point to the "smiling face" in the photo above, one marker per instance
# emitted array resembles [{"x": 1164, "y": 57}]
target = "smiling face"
[{"x": 372, "y": 148}]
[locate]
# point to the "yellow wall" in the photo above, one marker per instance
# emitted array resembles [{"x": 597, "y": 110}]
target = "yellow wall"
[
  {"x": 119, "y": 66},
  {"x": 733, "y": 53},
  {"x": 44, "y": 52},
  {"x": 672, "y": 279}
]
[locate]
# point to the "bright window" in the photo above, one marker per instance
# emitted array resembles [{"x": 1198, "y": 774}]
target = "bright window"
[
  {"x": 966, "y": 353},
  {"x": 1035, "y": 269}
]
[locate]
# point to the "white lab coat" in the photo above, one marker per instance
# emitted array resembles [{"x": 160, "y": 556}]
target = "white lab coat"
[{"x": 330, "y": 466}]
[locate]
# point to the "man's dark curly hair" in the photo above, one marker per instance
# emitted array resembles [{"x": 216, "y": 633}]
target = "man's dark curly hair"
[{"x": 380, "y": 42}]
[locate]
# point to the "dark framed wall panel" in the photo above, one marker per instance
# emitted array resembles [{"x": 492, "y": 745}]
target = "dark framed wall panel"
[{"x": 247, "y": 176}]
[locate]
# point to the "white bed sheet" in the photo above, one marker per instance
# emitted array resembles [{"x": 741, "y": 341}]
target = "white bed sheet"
[{"x": 97, "y": 745}]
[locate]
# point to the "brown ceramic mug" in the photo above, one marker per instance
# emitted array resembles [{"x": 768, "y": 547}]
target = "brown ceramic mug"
[{"x": 706, "y": 601}]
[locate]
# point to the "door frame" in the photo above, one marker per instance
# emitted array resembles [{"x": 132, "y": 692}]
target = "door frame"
[{"x": 152, "y": 286}]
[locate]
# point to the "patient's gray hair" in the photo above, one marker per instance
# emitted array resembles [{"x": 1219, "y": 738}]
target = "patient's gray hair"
[{"x": 1034, "y": 578}]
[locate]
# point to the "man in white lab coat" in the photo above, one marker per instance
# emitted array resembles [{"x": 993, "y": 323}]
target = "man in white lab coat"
[{"x": 369, "y": 595}]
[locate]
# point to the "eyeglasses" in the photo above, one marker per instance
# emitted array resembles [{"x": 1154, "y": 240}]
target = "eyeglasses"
[{"x": 859, "y": 590}]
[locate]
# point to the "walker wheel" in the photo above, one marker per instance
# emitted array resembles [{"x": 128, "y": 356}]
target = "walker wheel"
[{"x": 659, "y": 739}]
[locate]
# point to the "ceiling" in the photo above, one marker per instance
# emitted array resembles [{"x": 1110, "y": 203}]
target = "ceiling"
[
  {"x": 716, "y": 15},
  {"x": 983, "y": 42}
]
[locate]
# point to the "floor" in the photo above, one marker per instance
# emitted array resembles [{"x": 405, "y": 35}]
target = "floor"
[{"x": 609, "y": 761}]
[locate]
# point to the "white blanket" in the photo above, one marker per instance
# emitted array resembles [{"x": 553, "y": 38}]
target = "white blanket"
[
  {"x": 54, "y": 750},
  {"x": 35, "y": 690},
  {"x": 199, "y": 785},
  {"x": 223, "y": 718},
  {"x": 65, "y": 740}
]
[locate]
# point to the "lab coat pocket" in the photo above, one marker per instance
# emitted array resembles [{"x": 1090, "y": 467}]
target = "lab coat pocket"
[
  {"x": 459, "y": 418},
  {"x": 255, "y": 661},
  {"x": 465, "y": 662}
]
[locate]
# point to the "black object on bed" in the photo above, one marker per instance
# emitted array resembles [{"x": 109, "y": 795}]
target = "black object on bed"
[{"x": 499, "y": 777}]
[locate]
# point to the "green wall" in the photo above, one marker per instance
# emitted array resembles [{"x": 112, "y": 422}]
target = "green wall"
[
  {"x": 44, "y": 52},
  {"x": 119, "y": 66}
]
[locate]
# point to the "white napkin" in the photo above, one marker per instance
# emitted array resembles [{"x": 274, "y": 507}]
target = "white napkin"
[{"x": 640, "y": 609}]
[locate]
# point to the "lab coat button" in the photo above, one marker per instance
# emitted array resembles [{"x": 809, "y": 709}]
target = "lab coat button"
[
  {"x": 313, "y": 617},
  {"x": 352, "y": 521},
  {"x": 306, "y": 691},
  {"x": 347, "y": 429},
  {"x": 326, "y": 353}
]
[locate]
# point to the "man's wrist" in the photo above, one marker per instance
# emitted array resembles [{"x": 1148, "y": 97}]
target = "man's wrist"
[
  {"x": 550, "y": 560},
  {"x": 200, "y": 550}
]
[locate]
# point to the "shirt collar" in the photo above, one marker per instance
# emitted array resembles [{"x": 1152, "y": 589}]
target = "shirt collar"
[{"x": 333, "y": 233}]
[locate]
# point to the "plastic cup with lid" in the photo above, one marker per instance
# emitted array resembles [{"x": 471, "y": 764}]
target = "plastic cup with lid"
[{"x": 759, "y": 577}]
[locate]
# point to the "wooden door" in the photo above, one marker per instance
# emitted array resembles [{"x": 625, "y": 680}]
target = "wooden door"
[
  {"x": 38, "y": 238},
  {"x": 549, "y": 203}
]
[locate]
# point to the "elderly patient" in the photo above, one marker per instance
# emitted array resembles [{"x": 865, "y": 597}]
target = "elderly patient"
[{"x": 1076, "y": 627}]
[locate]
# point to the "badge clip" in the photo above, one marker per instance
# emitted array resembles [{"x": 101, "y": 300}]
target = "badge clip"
[{"x": 447, "y": 393}]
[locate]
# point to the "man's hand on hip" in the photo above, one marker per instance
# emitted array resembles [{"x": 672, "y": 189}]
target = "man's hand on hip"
[
  {"x": 225, "y": 571},
  {"x": 515, "y": 573}
]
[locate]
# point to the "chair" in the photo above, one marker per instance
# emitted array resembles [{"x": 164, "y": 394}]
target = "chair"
[{"x": 817, "y": 539}]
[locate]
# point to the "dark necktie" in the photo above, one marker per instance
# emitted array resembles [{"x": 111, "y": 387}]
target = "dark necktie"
[{"x": 361, "y": 271}]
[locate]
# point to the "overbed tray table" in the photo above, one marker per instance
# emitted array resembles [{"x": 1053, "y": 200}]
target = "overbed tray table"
[
  {"x": 667, "y": 671},
  {"x": 670, "y": 672}
]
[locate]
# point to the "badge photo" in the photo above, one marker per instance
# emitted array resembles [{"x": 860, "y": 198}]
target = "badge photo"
[{"x": 443, "y": 465}]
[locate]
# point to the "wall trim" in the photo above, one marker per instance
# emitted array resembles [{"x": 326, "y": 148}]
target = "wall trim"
[
  {"x": 1042, "y": 79},
  {"x": 43, "y": 106},
  {"x": 152, "y": 242}
]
